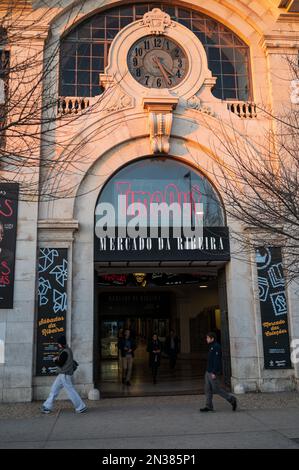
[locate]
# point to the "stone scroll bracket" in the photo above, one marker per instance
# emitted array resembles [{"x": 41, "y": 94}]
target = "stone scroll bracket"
[{"x": 160, "y": 117}]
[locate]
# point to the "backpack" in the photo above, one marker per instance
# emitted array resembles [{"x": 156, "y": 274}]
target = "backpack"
[{"x": 75, "y": 365}]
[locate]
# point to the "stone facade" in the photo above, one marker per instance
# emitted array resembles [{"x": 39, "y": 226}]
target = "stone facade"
[{"x": 117, "y": 130}]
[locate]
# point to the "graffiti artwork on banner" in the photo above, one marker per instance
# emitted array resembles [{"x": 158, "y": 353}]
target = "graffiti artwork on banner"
[
  {"x": 8, "y": 232},
  {"x": 52, "y": 306},
  {"x": 274, "y": 310}
]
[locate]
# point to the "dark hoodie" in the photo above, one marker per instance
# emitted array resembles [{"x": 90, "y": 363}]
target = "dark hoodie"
[{"x": 214, "y": 359}]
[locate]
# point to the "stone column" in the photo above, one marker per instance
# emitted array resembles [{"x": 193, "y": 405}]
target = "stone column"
[
  {"x": 241, "y": 317},
  {"x": 56, "y": 233}
]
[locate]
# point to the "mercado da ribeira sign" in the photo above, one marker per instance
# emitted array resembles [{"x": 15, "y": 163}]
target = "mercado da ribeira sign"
[
  {"x": 160, "y": 210},
  {"x": 213, "y": 245}
]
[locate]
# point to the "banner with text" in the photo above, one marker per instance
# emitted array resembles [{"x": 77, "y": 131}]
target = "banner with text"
[
  {"x": 212, "y": 246},
  {"x": 8, "y": 233},
  {"x": 52, "y": 306},
  {"x": 274, "y": 310}
]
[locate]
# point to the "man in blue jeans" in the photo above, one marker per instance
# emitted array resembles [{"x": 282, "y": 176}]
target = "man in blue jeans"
[
  {"x": 214, "y": 369},
  {"x": 65, "y": 366}
]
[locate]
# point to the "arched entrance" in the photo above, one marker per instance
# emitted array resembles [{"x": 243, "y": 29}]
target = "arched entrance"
[{"x": 151, "y": 279}]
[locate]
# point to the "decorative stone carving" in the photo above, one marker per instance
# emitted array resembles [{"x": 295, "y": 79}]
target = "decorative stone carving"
[
  {"x": 160, "y": 122},
  {"x": 195, "y": 103},
  {"x": 115, "y": 98},
  {"x": 121, "y": 101},
  {"x": 295, "y": 91},
  {"x": 157, "y": 21}
]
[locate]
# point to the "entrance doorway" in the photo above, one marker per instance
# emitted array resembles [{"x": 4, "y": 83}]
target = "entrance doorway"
[
  {"x": 153, "y": 275},
  {"x": 148, "y": 303}
]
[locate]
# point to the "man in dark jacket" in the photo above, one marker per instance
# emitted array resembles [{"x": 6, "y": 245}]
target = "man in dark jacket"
[
  {"x": 127, "y": 347},
  {"x": 214, "y": 369},
  {"x": 65, "y": 367}
]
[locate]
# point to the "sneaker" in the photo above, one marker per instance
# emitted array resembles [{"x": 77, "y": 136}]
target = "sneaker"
[
  {"x": 206, "y": 409},
  {"x": 234, "y": 403},
  {"x": 45, "y": 410},
  {"x": 83, "y": 410}
]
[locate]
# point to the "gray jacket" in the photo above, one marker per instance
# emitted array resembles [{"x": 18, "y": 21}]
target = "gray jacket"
[{"x": 67, "y": 366}]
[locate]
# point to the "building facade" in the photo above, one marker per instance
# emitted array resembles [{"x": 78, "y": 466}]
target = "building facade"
[{"x": 144, "y": 91}]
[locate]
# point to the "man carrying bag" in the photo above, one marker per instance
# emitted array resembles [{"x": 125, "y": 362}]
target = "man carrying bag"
[{"x": 66, "y": 366}]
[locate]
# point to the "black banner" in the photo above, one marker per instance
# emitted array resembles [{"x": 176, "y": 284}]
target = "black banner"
[
  {"x": 274, "y": 311},
  {"x": 9, "y": 193},
  {"x": 212, "y": 246},
  {"x": 52, "y": 306}
]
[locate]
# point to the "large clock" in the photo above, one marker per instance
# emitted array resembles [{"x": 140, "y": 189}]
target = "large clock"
[{"x": 157, "y": 62}]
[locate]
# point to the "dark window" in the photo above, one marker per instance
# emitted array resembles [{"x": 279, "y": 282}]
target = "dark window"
[
  {"x": 215, "y": 67},
  {"x": 86, "y": 48}
]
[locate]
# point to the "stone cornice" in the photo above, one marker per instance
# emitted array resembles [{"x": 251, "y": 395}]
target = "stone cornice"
[
  {"x": 56, "y": 232},
  {"x": 58, "y": 224},
  {"x": 274, "y": 42},
  {"x": 288, "y": 18}
]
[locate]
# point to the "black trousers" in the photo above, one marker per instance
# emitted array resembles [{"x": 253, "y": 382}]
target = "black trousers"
[
  {"x": 154, "y": 370},
  {"x": 172, "y": 359}
]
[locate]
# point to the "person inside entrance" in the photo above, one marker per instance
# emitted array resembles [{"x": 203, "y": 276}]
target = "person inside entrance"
[{"x": 127, "y": 347}]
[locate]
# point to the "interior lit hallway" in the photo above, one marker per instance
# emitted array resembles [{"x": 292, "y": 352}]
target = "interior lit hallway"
[{"x": 187, "y": 378}]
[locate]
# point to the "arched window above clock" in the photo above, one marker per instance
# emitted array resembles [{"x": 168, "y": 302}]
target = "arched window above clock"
[{"x": 84, "y": 50}]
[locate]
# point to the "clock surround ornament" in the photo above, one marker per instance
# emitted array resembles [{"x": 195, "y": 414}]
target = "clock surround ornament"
[{"x": 158, "y": 98}]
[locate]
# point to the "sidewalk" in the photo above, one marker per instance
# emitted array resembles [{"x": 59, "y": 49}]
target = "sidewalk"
[{"x": 262, "y": 421}]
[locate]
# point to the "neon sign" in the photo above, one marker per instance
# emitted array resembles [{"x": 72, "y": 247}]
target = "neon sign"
[{"x": 171, "y": 193}]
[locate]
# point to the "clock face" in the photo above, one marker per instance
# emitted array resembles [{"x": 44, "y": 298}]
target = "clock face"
[{"x": 157, "y": 62}]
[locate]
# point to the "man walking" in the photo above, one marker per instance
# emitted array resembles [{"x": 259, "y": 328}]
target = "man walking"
[
  {"x": 65, "y": 366},
  {"x": 214, "y": 369},
  {"x": 127, "y": 347}
]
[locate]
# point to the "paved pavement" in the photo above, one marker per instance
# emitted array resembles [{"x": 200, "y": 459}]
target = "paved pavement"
[{"x": 263, "y": 421}]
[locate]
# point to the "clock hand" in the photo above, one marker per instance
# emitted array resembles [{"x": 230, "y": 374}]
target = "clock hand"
[
  {"x": 156, "y": 60},
  {"x": 167, "y": 69}
]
